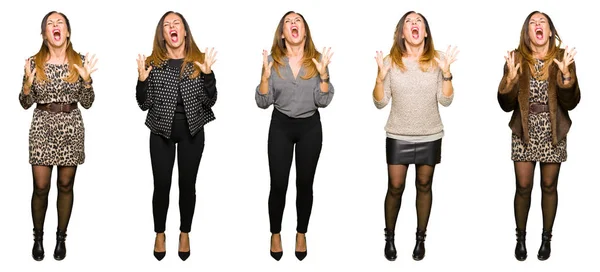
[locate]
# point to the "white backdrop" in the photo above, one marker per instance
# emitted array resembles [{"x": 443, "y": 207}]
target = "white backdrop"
[{"x": 471, "y": 226}]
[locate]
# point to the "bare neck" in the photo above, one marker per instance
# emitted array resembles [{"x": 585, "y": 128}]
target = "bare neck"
[
  {"x": 295, "y": 51},
  {"x": 414, "y": 51},
  {"x": 58, "y": 54},
  {"x": 176, "y": 53},
  {"x": 539, "y": 52}
]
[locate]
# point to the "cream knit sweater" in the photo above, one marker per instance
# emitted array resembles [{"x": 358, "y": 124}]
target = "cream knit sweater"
[{"x": 415, "y": 95}]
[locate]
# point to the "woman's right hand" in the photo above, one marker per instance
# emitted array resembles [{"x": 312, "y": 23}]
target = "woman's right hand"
[
  {"x": 512, "y": 68},
  {"x": 29, "y": 76},
  {"x": 143, "y": 72},
  {"x": 266, "y": 69},
  {"x": 382, "y": 69}
]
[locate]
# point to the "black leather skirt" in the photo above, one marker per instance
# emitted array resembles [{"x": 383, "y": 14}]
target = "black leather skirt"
[{"x": 403, "y": 152}]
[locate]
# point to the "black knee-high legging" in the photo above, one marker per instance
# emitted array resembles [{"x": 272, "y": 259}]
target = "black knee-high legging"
[
  {"x": 284, "y": 133},
  {"x": 162, "y": 155}
]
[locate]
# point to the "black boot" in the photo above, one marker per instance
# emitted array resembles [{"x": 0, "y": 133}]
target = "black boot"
[
  {"x": 419, "y": 251},
  {"x": 390, "y": 247},
  {"x": 521, "y": 249},
  {"x": 37, "y": 252},
  {"x": 60, "y": 251},
  {"x": 544, "y": 252}
]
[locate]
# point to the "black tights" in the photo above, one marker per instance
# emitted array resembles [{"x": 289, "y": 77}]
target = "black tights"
[
  {"x": 524, "y": 176},
  {"x": 393, "y": 198},
  {"x": 41, "y": 188}
]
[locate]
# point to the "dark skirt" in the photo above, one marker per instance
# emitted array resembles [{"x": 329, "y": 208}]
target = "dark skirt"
[{"x": 403, "y": 152}]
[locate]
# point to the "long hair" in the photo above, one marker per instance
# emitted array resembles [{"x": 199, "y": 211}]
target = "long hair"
[
  {"x": 159, "y": 49},
  {"x": 43, "y": 54},
  {"x": 526, "y": 51},
  {"x": 426, "y": 60},
  {"x": 279, "y": 50}
]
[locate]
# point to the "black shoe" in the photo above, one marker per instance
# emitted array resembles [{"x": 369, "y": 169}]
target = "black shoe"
[
  {"x": 37, "y": 252},
  {"x": 183, "y": 255},
  {"x": 544, "y": 252},
  {"x": 300, "y": 255},
  {"x": 60, "y": 251},
  {"x": 160, "y": 255},
  {"x": 390, "y": 248},
  {"x": 419, "y": 251},
  {"x": 521, "y": 249},
  {"x": 275, "y": 255}
]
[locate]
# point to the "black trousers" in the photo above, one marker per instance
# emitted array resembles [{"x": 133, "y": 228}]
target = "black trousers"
[
  {"x": 307, "y": 135},
  {"x": 162, "y": 155}
]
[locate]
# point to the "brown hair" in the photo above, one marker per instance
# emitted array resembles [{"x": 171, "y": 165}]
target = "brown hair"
[
  {"x": 278, "y": 49},
  {"x": 426, "y": 60},
  {"x": 525, "y": 46},
  {"x": 43, "y": 54},
  {"x": 159, "y": 49}
]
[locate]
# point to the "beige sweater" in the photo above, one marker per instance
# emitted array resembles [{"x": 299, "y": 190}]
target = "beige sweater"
[{"x": 415, "y": 95}]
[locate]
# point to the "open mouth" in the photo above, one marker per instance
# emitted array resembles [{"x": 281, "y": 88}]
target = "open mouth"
[
  {"x": 294, "y": 31},
  {"x": 56, "y": 34},
  {"x": 539, "y": 33},
  {"x": 415, "y": 32},
  {"x": 174, "y": 36}
]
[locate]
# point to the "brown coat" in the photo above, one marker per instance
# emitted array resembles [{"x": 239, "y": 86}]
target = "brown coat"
[{"x": 561, "y": 99}]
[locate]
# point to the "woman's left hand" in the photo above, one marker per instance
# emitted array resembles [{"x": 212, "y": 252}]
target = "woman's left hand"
[
  {"x": 88, "y": 67},
  {"x": 450, "y": 57},
  {"x": 209, "y": 60},
  {"x": 566, "y": 61},
  {"x": 325, "y": 60}
]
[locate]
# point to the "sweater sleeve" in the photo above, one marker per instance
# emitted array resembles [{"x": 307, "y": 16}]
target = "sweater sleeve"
[
  {"x": 443, "y": 99},
  {"x": 387, "y": 87}
]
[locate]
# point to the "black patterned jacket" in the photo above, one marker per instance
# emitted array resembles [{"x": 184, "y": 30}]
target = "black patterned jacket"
[{"x": 158, "y": 94}]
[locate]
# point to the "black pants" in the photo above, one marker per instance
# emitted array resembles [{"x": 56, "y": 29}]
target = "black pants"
[
  {"x": 162, "y": 155},
  {"x": 284, "y": 133}
]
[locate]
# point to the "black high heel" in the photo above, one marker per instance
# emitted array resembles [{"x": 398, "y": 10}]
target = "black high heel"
[
  {"x": 300, "y": 255},
  {"x": 520, "y": 248},
  {"x": 160, "y": 255},
  {"x": 60, "y": 251},
  {"x": 37, "y": 252},
  {"x": 275, "y": 255},
  {"x": 183, "y": 255},
  {"x": 419, "y": 251},
  {"x": 390, "y": 247},
  {"x": 544, "y": 252}
]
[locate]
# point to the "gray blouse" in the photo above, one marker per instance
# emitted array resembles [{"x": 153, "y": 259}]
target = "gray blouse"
[{"x": 294, "y": 97}]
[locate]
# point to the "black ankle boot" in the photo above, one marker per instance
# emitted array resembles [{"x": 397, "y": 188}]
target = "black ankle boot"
[
  {"x": 521, "y": 249},
  {"x": 390, "y": 247},
  {"x": 544, "y": 252},
  {"x": 37, "y": 252},
  {"x": 60, "y": 251},
  {"x": 419, "y": 251}
]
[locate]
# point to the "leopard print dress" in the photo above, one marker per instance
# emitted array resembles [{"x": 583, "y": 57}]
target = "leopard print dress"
[
  {"x": 540, "y": 147},
  {"x": 56, "y": 138}
]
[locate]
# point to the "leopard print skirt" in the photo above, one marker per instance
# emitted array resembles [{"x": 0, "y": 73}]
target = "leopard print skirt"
[
  {"x": 540, "y": 147},
  {"x": 56, "y": 138}
]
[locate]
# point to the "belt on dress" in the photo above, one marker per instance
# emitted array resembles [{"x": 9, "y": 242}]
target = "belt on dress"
[
  {"x": 57, "y": 107},
  {"x": 535, "y": 108}
]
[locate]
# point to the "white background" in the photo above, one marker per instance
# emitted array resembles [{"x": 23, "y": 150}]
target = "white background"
[{"x": 471, "y": 226}]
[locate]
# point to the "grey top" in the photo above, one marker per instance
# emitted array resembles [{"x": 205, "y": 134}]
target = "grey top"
[{"x": 294, "y": 97}]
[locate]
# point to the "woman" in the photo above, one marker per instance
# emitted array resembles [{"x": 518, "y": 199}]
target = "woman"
[
  {"x": 539, "y": 86},
  {"x": 295, "y": 79},
  {"x": 177, "y": 86},
  {"x": 416, "y": 77},
  {"x": 56, "y": 79}
]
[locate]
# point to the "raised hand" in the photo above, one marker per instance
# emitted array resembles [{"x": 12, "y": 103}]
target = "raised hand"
[
  {"x": 450, "y": 57},
  {"x": 88, "y": 67},
  {"x": 325, "y": 60},
  {"x": 29, "y": 76},
  {"x": 382, "y": 69},
  {"x": 566, "y": 61},
  {"x": 209, "y": 60},
  {"x": 143, "y": 72},
  {"x": 512, "y": 68},
  {"x": 266, "y": 68}
]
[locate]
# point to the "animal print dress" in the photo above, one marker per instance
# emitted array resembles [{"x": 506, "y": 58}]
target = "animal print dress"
[
  {"x": 540, "y": 147},
  {"x": 57, "y": 138}
]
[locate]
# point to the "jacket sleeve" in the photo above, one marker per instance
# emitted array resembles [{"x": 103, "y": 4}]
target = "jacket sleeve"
[
  {"x": 143, "y": 93},
  {"x": 508, "y": 93},
  {"x": 209, "y": 99},
  {"x": 568, "y": 94}
]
